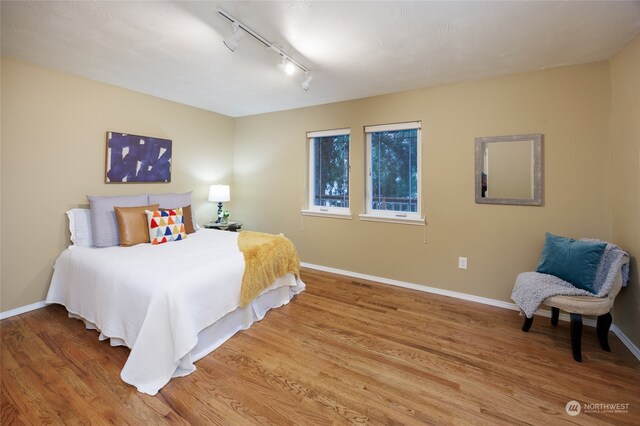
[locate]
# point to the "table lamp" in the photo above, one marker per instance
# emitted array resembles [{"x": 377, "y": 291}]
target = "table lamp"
[{"x": 219, "y": 193}]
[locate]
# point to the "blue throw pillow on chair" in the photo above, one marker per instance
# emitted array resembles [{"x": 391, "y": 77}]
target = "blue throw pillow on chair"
[{"x": 573, "y": 261}]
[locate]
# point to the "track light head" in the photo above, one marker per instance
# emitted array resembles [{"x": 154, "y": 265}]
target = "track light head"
[
  {"x": 287, "y": 66},
  {"x": 233, "y": 40},
  {"x": 307, "y": 82}
]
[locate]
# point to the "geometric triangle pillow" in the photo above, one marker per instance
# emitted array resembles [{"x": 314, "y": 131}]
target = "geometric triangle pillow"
[{"x": 166, "y": 225}]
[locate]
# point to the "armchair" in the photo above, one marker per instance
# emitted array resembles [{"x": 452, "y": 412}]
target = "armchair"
[{"x": 534, "y": 288}]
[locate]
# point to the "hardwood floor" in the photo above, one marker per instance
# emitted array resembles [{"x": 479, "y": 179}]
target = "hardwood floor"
[{"x": 344, "y": 351}]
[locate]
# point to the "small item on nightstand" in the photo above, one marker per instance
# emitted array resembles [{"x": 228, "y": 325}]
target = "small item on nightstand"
[{"x": 228, "y": 226}]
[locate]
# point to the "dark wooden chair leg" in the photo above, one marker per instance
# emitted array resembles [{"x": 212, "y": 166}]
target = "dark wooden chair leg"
[
  {"x": 576, "y": 336},
  {"x": 555, "y": 314},
  {"x": 527, "y": 324},
  {"x": 602, "y": 330}
]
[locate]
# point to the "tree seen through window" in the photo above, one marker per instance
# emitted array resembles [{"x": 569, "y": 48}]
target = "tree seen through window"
[
  {"x": 394, "y": 170},
  {"x": 331, "y": 171}
]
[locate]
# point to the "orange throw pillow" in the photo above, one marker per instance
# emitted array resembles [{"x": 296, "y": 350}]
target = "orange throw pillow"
[{"x": 132, "y": 224}]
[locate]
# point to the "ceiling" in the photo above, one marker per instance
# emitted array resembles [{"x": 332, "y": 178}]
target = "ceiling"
[{"x": 354, "y": 49}]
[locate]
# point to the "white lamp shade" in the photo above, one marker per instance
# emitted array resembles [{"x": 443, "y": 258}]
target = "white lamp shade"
[{"x": 219, "y": 193}]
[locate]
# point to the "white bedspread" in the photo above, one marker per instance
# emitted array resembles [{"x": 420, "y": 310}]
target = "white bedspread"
[{"x": 155, "y": 299}]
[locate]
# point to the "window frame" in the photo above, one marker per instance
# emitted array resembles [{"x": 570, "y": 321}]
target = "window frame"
[
  {"x": 370, "y": 214},
  {"x": 324, "y": 211}
]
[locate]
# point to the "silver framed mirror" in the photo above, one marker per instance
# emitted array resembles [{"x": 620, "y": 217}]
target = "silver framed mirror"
[{"x": 509, "y": 170}]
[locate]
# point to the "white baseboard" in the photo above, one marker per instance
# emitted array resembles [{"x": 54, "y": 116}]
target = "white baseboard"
[
  {"x": 624, "y": 339},
  {"x": 484, "y": 300},
  {"x": 457, "y": 295},
  {"x": 22, "y": 310}
]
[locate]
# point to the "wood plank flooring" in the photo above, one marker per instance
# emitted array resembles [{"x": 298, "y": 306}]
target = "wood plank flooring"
[{"x": 344, "y": 351}]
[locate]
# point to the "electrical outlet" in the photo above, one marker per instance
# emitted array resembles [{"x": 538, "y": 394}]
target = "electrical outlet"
[{"x": 462, "y": 263}]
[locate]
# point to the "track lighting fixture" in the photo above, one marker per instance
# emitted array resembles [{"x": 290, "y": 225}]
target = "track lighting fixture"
[
  {"x": 234, "y": 39},
  {"x": 288, "y": 64}
]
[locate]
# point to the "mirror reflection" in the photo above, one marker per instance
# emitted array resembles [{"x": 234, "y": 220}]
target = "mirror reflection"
[{"x": 509, "y": 170}]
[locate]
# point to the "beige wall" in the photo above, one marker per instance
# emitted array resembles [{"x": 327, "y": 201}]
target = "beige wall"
[
  {"x": 570, "y": 106},
  {"x": 53, "y": 131},
  {"x": 53, "y": 154},
  {"x": 625, "y": 143}
]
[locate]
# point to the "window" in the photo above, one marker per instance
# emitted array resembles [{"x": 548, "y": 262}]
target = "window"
[
  {"x": 329, "y": 173},
  {"x": 393, "y": 173}
]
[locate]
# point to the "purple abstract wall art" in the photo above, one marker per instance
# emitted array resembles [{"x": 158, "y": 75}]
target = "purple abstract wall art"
[{"x": 134, "y": 158}]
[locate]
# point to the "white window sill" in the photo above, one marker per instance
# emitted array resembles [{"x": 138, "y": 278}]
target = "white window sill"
[
  {"x": 406, "y": 220},
  {"x": 328, "y": 213}
]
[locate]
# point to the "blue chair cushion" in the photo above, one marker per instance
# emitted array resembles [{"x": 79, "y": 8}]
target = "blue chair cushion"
[{"x": 573, "y": 261}]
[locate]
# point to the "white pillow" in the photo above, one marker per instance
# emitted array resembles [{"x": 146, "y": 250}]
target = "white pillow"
[
  {"x": 104, "y": 223},
  {"x": 80, "y": 227}
]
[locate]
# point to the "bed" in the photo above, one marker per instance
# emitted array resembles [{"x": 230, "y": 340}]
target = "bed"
[{"x": 171, "y": 304}]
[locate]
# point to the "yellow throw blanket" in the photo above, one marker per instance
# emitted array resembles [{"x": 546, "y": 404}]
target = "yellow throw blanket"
[{"x": 266, "y": 258}]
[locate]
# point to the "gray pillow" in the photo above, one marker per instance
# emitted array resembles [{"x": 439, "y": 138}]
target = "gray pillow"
[
  {"x": 104, "y": 225},
  {"x": 174, "y": 201}
]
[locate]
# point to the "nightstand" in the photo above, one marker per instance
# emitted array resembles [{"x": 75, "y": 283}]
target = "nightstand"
[{"x": 229, "y": 226}]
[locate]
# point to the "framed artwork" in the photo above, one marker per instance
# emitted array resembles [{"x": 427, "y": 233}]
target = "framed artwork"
[{"x": 134, "y": 158}]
